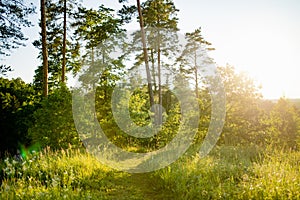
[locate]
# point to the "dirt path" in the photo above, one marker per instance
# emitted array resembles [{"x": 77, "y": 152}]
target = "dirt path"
[{"x": 136, "y": 186}]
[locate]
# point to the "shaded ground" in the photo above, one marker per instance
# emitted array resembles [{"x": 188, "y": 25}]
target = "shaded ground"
[{"x": 136, "y": 186}]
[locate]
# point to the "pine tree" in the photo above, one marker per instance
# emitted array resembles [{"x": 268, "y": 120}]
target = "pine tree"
[
  {"x": 64, "y": 47},
  {"x": 161, "y": 21},
  {"x": 44, "y": 48},
  {"x": 63, "y": 50},
  {"x": 194, "y": 55},
  {"x": 97, "y": 31},
  {"x": 13, "y": 16},
  {"x": 146, "y": 59}
]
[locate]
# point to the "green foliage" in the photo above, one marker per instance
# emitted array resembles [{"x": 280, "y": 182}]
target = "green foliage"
[
  {"x": 250, "y": 119},
  {"x": 161, "y": 14},
  {"x": 13, "y": 17},
  {"x": 100, "y": 34},
  {"x": 160, "y": 21},
  {"x": 18, "y": 102},
  {"x": 194, "y": 56},
  {"x": 95, "y": 26},
  {"x": 243, "y": 113},
  {"x": 87, "y": 30},
  {"x": 54, "y": 125},
  {"x": 140, "y": 115},
  {"x": 282, "y": 124}
]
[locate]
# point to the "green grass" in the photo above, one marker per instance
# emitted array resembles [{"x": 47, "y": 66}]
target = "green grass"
[
  {"x": 227, "y": 173},
  {"x": 70, "y": 174},
  {"x": 235, "y": 173}
]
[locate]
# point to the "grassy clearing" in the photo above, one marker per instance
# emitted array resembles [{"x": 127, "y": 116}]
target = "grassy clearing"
[
  {"x": 235, "y": 173},
  {"x": 71, "y": 174},
  {"x": 228, "y": 173},
  {"x": 66, "y": 174}
]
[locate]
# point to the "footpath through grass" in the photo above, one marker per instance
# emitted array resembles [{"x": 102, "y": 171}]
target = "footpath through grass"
[
  {"x": 71, "y": 174},
  {"x": 228, "y": 173}
]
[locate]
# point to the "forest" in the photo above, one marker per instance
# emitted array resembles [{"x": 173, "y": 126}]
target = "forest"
[{"x": 151, "y": 116}]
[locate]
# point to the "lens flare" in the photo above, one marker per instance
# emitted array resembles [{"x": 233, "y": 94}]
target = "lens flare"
[{"x": 26, "y": 151}]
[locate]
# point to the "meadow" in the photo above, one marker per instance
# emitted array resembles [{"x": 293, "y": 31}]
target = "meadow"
[{"x": 228, "y": 172}]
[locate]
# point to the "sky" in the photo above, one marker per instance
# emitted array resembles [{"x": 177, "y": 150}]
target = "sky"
[{"x": 259, "y": 37}]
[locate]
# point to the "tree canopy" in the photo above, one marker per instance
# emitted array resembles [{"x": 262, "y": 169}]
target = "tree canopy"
[{"x": 14, "y": 15}]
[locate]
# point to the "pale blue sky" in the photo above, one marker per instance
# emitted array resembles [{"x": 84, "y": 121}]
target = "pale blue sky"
[{"x": 258, "y": 37}]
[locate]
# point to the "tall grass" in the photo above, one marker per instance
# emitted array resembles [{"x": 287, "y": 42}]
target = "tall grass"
[
  {"x": 227, "y": 173},
  {"x": 65, "y": 174},
  {"x": 234, "y": 173},
  {"x": 277, "y": 177}
]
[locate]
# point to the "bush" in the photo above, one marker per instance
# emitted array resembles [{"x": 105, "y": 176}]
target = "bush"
[
  {"x": 18, "y": 103},
  {"x": 54, "y": 125}
]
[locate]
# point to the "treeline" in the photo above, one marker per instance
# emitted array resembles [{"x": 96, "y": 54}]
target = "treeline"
[
  {"x": 29, "y": 120},
  {"x": 77, "y": 39}
]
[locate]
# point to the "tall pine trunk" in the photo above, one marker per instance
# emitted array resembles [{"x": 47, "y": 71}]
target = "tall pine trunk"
[
  {"x": 159, "y": 68},
  {"x": 150, "y": 90},
  {"x": 196, "y": 75},
  {"x": 63, "y": 73},
  {"x": 44, "y": 48},
  {"x": 159, "y": 81},
  {"x": 153, "y": 68}
]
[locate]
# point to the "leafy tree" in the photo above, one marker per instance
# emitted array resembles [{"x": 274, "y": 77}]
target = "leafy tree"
[
  {"x": 127, "y": 13},
  {"x": 243, "y": 112},
  {"x": 100, "y": 34},
  {"x": 67, "y": 9},
  {"x": 13, "y": 16},
  {"x": 18, "y": 102},
  {"x": 54, "y": 125},
  {"x": 284, "y": 124}
]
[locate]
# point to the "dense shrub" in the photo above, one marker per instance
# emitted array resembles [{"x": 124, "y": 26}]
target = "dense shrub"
[
  {"x": 54, "y": 125},
  {"x": 18, "y": 101}
]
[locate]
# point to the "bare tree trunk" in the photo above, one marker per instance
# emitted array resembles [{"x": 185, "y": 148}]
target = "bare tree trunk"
[
  {"x": 159, "y": 81},
  {"x": 153, "y": 68},
  {"x": 63, "y": 72},
  {"x": 44, "y": 48},
  {"x": 150, "y": 90},
  {"x": 159, "y": 73},
  {"x": 196, "y": 75},
  {"x": 92, "y": 56}
]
